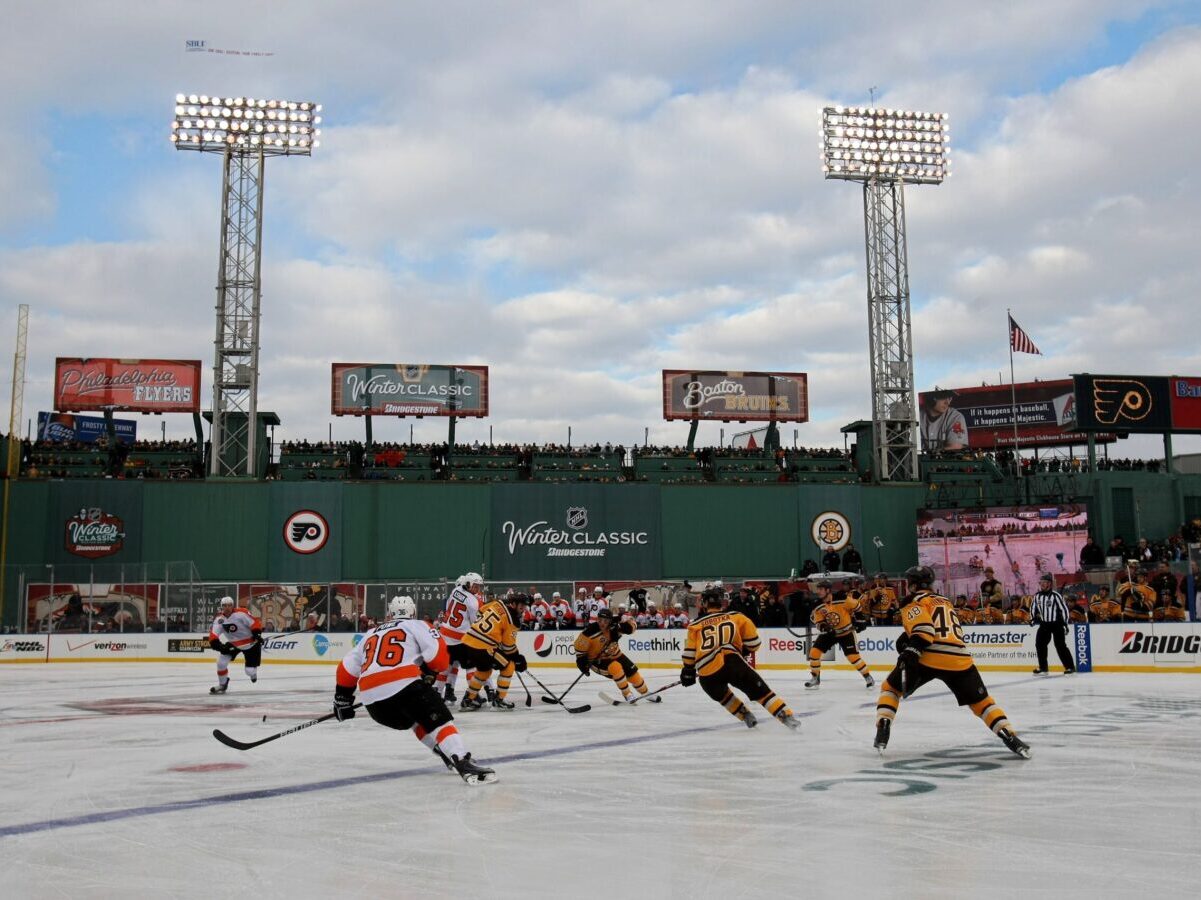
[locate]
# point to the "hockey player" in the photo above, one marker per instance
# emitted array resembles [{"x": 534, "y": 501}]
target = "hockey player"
[
  {"x": 593, "y": 605},
  {"x": 677, "y": 618},
  {"x": 883, "y": 600},
  {"x": 654, "y": 618},
  {"x": 235, "y": 631},
  {"x": 1103, "y": 608},
  {"x": 460, "y": 611},
  {"x": 580, "y": 607},
  {"x": 564, "y": 616},
  {"x": 597, "y": 650},
  {"x": 715, "y": 650},
  {"x": 390, "y": 666},
  {"x": 491, "y": 643},
  {"x": 932, "y": 648},
  {"x": 834, "y": 618},
  {"x": 543, "y": 613}
]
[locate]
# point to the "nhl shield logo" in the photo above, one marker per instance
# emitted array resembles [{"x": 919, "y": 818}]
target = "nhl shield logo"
[{"x": 577, "y": 517}]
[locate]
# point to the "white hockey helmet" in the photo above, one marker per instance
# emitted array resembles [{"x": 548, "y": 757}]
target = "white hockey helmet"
[
  {"x": 537, "y": 596},
  {"x": 556, "y": 594},
  {"x": 227, "y": 602},
  {"x": 598, "y": 590},
  {"x": 402, "y": 607},
  {"x": 650, "y": 604},
  {"x": 470, "y": 579}
]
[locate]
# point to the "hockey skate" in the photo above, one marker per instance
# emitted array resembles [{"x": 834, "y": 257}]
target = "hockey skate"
[
  {"x": 1040, "y": 672},
  {"x": 471, "y": 773},
  {"x": 254, "y": 679},
  {"x": 788, "y": 720},
  {"x": 869, "y": 682},
  {"x": 471, "y": 704},
  {"x": 815, "y": 681},
  {"x": 748, "y": 719},
  {"x": 448, "y": 696},
  {"x": 883, "y": 731},
  {"x": 1014, "y": 743},
  {"x": 219, "y": 689},
  {"x": 500, "y": 703}
]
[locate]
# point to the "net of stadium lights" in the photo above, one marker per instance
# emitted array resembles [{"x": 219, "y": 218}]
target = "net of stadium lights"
[
  {"x": 247, "y": 124},
  {"x": 861, "y": 143}
]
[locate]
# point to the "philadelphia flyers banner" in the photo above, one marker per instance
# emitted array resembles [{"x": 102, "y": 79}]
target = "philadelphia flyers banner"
[{"x": 1134, "y": 403}]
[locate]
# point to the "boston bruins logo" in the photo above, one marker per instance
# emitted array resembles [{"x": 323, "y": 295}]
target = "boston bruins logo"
[{"x": 830, "y": 529}]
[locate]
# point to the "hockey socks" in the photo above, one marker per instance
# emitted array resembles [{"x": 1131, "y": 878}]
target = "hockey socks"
[{"x": 991, "y": 715}]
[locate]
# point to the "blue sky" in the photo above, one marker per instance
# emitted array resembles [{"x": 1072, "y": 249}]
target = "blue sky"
[{"x": 581, "y": 195}]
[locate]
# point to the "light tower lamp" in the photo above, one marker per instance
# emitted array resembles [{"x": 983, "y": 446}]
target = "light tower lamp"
[
  {"x": 886, "y": 149},
  {"x": 245, "y": 131}
]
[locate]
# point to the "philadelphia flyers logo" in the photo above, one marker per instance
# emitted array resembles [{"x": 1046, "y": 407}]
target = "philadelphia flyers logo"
[
  {"x": 1117, "y": 399},
  {"x": 306, "y": 531}
]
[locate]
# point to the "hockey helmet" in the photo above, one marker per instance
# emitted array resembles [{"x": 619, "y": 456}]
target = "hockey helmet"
[
  {"x": 604, "y": 613},
  {"x": 470, "y": 579},
  {"x": 402, "y": 607},
  {"x": 598, "y": 589},
  {"x": 227, "y": 603},
  {"x": 919, "y": 576}
]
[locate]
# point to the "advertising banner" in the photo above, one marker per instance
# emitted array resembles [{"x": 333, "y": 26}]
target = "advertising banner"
[
  {"x": 1186, "y": 403},
  {"x": 130, "y": 385},
  {"x": 66, "y": 427},
  {"x": 1147, "y": 647},
  {"x": 406, "y": 389},
  {"x": 981, "y": 418},
  {"x": 574, "y": 531},
  {"x": 736, "y": 396},
  {"x": 1124, "y": 403}
]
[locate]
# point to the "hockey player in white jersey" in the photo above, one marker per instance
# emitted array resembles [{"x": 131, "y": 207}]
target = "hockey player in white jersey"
[
  {"x": 390, "y": 667},
  {"x": 460, "y": 612},
  {"x": 235, "y": 631},
  {"x": 593, "y": 605},
  {"x": 543, "y": 613}
]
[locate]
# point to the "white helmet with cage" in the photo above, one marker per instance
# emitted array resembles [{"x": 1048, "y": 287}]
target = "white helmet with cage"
[
  {"x": 470, "y": 579},
  {"x": 402, "y": 607}
]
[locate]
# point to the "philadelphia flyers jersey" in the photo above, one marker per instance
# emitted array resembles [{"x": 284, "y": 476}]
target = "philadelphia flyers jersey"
[
  {"x": 237, "y": 628},
  {"x": 462, "y": 608},
  {"x": 712, "y": 637},
  {"x": 389, "y": 658},
  {"x": 932, "y": 616}
]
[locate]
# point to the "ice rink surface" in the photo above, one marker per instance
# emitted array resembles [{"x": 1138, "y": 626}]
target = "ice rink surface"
[{"x": 114, "y": 786}]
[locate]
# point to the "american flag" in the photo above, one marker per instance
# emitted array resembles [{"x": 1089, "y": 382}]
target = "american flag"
[{"x": 1019, "y": 341}]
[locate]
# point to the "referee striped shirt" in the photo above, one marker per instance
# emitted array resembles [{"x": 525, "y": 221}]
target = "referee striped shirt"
[{"x": 1049, "y": 608}]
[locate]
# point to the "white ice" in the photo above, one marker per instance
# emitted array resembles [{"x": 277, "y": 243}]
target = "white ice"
[{"x": 112, "y": 785}]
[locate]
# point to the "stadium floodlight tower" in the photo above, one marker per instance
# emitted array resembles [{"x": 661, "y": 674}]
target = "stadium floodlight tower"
[
  {"x": 245, "y": 131},
  {"x": 886, "y": 149}
]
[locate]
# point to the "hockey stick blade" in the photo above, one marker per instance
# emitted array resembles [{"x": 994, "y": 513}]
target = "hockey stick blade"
[
  {"x": 612, "y": 700},
  {"x": 248, "y": 745}
]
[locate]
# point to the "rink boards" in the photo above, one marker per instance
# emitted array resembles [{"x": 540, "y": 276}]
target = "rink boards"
[{"x": 1150, "y": 647}]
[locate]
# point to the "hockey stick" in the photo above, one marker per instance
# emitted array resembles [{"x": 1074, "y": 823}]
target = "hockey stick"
[
  {"x": 614, "y": 702},
  {"x": 529, "y": 699},
  {"x": 559, "y": 699},
  {"x": 245, "y": 745}
]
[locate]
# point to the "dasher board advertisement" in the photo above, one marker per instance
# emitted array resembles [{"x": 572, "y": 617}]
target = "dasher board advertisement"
[
  {"x": 409, "y": 389},
  {"x": 128, "y": 385},
  {"x": 736, "y": 396}
]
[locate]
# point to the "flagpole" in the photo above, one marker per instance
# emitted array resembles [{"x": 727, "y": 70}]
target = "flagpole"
[{"x": 1013, "y": 394}]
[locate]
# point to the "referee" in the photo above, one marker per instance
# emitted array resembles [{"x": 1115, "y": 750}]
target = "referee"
[{"x": 1049, "y": 611}]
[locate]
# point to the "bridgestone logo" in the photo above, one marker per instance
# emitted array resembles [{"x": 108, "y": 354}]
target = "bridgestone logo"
[
  {"x": 1138, "y": 642},
  {"x": 574, "y": 551}
]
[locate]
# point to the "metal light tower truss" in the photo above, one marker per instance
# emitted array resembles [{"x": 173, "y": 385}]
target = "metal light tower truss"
[
  {"x": 245, "y": 131},
  {"x": 884, "y": 149}
]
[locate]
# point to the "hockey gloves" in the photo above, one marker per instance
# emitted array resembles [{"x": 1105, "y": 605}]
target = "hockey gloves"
[
  {"x": 907, "y": 663},
  {"x": 216, "y": 645},
  {"x": 581, "y": 663},
  {"x": 343, "y": 703},
  {"x": 688, "y": 676},
  {"x": 519, "y": 663}
]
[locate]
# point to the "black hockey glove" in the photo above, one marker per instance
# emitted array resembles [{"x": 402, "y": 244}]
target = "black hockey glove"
[
  {"x": 907, "y": 662},
  {"x": 216, "y": 645},
  {"x": 688, "y": 676},
  {"x": 581, "y": 663},
  {"x": 343, "y": 703},
  {"x": 903, "y": 641},
  {"x": 258, "y": 636},
  {"x": 519, "y": 663},
  {"x": 428, "y": 675}
]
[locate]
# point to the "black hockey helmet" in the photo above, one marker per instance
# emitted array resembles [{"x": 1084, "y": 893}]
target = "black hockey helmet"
[
  {"x": 604, "y": 613},
  {"x": 919, "y": 576}
]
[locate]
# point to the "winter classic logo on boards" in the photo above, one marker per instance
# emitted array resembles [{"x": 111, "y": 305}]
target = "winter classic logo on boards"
[
  {"x": 93, "y": 533},
  {"x": 577, "y": 542},
  {"x": 830, "y": 529},
  {"x": 306, "y": 531}
]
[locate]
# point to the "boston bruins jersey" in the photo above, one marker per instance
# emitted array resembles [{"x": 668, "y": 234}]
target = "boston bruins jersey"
[
  {"x": 597, "y": 643},
  {"x": 1138, "y": 602},
  {"x": 967, "y": 615},
  {"x": 883, "y": 602},
  {"x": 836, "y": 616},
  {"x": 932, "y": 617},
  {"x": 494, "y": 630},
  {"x": 991, "y": 615},
  {"x": 1107, "y": 610},
  {"x": 1019, "y": 616},
  {"x": 712, "y": 637}
]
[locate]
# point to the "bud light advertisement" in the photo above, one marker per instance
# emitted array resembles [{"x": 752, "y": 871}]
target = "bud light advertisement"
[{"x": 66, "y": 427}]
